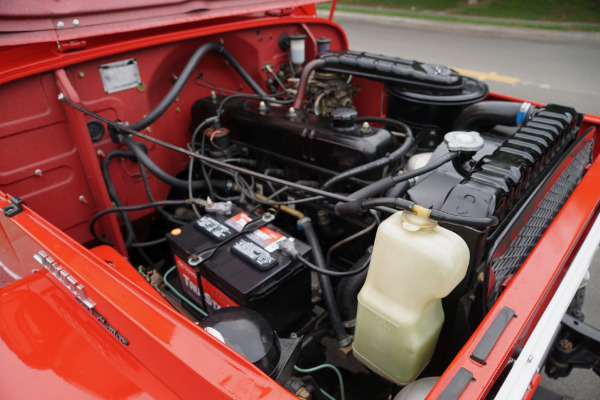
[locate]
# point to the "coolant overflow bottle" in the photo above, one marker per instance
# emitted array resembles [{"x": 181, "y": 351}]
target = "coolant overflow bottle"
[{"x": 415, "y": 263}]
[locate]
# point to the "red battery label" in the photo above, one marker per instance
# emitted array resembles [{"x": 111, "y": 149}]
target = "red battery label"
[{"x": 214, "y": 298}]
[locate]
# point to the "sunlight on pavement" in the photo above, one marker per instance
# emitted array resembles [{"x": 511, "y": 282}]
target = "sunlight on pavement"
[{"x": 487, "y": 76}]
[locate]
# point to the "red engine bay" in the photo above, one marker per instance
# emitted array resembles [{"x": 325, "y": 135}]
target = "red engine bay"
[{"x": 233, "y": 204}]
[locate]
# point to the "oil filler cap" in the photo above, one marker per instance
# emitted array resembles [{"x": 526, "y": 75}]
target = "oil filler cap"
[
  {"x": 343, "y": 118},
  {"x": 469, "y": 141}
]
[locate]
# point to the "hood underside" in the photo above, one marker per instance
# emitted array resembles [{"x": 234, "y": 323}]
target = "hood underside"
[{"x": 34, "y": 21}]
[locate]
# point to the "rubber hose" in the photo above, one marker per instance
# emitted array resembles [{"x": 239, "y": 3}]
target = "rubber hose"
[
  {"x": 184, "y": 76},
  {"x": 159, "y": 173},
  {"x": 398, "y": 190},
  {"x": 348, "y": 289},
  {"x": 384, "y": 184},
  {"x": 308, "y": 68},
  {"x": 326, "y": 287},
  {"x": 486, "y": 114},
  {"x": 112, "y": 192}
]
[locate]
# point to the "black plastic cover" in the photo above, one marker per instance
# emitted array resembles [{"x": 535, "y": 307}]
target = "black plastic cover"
[
  {"x": 246, "y": 332},
  {"x": 392, "y": 70}
]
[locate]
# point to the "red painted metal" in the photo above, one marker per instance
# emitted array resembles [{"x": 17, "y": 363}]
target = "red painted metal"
[
  {"x": 89, "y": 161},
  {"x": 529, "y": 291},
  {"x": 77, "y": 172},
  {"x": 26, "y": 24},
  {"x": 535, "y": 382},
  {"x": 167, "y": 356}
]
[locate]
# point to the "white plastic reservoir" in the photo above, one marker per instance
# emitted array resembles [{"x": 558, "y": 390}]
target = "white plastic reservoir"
[{"x": 415, "y": 263}]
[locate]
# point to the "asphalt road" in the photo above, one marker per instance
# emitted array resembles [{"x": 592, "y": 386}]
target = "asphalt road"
[
  {"x": 560, "y": 68},
  {"x": 535, "y": 65}
]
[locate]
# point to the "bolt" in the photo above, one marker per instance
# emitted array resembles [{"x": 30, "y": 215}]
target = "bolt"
[
  {"x": 481, "y": 277},
  {"x": 366, "y": 128},
  {"x": 194, "y": 260},
  {"x": 38, "y": 172},
  {"x": 213, "y": 96},
  {"x": 149, "y": 129},
  {"x": 262, "y": 107},
  {"x": 76, "y": 22},
  {"x": 101, "y": 154},
  {"x": 83, "y": 199},
  {"x": 178, "y": 109},
  {"x": 61, "y": 96},
  {"x": 81, "y": 74},
  {"x": 529, "y": 359},
  {"x": 565, "y": 345},
  {"x": 60, "y": 24},
  {"x": 292, "y": 112}
]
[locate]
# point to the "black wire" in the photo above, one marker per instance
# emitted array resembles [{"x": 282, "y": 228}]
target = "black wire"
[
  {"x": 102, "y": 213},
  {"x": 149, "y": 243},
  {"x": 165, "y": 214},
  {"x": 337, "y": 274}
]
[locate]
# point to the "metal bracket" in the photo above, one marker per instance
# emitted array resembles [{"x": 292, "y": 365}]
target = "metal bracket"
[
  {"x": 577, "y": 346},
  {"x": 16, "y": 207}
]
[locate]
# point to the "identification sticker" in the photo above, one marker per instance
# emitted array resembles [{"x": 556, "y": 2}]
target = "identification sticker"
[
  {"x": 120, "y": 75},
  {"x": 213, "y": 227},
  {"x": 254, "y": 254},
  {"x": 264, "y": 237}
]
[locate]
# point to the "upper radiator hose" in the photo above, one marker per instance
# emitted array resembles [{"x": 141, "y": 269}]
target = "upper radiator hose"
[{"x": 490, "y": 113}]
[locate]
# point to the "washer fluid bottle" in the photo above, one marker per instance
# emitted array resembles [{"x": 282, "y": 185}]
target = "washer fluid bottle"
[{"x": 415, "y": 263}]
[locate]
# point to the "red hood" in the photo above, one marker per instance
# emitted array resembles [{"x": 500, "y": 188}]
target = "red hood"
[
  {"x": 34, "y": 21},
  {"x": 51, "y": 340}
]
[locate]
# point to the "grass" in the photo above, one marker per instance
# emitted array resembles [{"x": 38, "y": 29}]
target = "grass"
[{"x": 574, "y": 11}]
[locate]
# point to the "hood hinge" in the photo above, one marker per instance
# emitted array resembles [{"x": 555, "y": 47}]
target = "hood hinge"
[{"x": 71, "y": 45}]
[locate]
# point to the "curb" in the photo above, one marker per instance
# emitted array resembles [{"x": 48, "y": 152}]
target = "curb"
[{"x": 464, "y": 27}]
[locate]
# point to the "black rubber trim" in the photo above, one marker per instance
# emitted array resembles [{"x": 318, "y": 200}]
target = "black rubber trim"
[
  {"x": 492, "y": 335},
  {"x": 15, "y": 207},
  {"x": 457, "y": 385}
]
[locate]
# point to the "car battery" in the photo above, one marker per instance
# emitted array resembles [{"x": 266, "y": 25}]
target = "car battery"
[{"x": 244, "y": 269}]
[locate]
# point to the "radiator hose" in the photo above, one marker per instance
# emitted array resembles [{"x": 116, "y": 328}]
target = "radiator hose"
[
  {"x": 327, "y": 290},
  {"x": 486, "y": 114}
]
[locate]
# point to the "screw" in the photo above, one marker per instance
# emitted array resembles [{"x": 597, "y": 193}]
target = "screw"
[
  {"x": 262, "y": 107},
  {"x": 60, "y": 24},
  {"x": 178, "y": 109},
  {"x": 76, "y": 22},
  {"x": 83, "y": 199},
  {"x": 81, "y": 74},
  {"x": 149, "y": 129},
  {"x": 529, "y": 359},
  {"x": 100, "y": 153},
  {"x": 38, "y": 172},
  {"x": 61, "y": 96}
]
